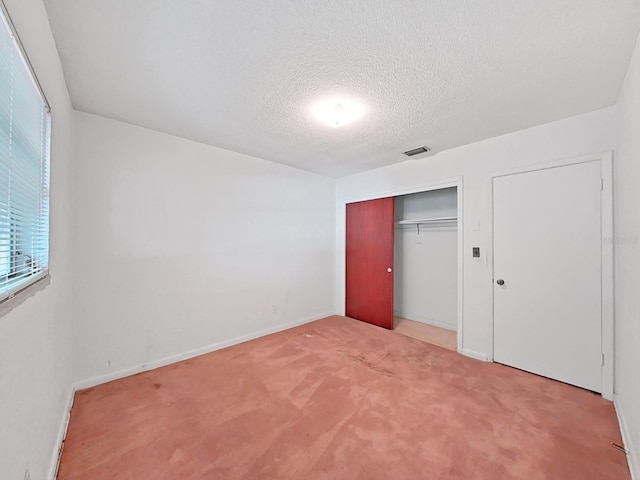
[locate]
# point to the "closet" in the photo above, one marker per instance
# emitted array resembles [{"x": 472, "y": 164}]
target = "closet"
[
  {"x": 426, "y": 258},
  {"x": 402, "y": 263}
]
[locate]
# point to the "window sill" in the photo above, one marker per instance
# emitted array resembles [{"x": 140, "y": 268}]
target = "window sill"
[{"x": 21, "y": 295}]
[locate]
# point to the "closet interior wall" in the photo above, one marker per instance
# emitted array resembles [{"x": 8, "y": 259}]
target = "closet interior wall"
[{"x": 425, "y": 280}]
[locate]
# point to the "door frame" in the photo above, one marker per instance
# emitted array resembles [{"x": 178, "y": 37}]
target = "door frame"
[
  {"x": 446, "y": 183},
  {"x": 606, "y": 221}
]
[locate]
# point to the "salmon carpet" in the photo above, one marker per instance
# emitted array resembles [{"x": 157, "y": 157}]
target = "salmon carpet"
[{"x": 340, "y": 399}]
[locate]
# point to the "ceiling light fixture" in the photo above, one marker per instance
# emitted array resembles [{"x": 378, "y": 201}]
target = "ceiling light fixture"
[{"x": 337, "y": 112}]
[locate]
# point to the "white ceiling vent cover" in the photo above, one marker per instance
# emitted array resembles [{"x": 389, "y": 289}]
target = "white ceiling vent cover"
[{"x": 417, "y": 151}]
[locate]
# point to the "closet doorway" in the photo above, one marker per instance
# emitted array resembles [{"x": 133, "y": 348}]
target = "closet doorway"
[
  {"x": 426, "y": 266},
  {"x": 404, "y": 262}
]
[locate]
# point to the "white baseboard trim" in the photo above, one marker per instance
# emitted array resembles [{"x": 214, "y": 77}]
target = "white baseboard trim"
[
  {"x": 92, "y": 382},
  {"x": 632, "y": 453},
  {"x": 477, "y": 355},
  {"x": 62, "y": 433},
  {"x": 425, "y": 320}
]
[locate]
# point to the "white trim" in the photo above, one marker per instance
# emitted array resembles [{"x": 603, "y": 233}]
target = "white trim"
[
  {"x": 23, "y": 284},
  {"x": 606, "y": 206},
  {"x": 606, "y": 212},
  {"x": 477, "y": 355},
  {"x": 460, "y": 204},
  {"x": 92, "y": 382},
  {"x": 446, "y": 183},
  {"x": 594, "y": 157},
  {"x": 8, "y": 21},
  {"x": 62, "y": 434},
  {"x": 633, "y": 458},
  {"x": 458, "y": 183}
]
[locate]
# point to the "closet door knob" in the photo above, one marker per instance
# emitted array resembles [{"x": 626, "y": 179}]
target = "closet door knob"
[
  {"x": 389, "y": 270},
  {"x": 500, "y": 282}
]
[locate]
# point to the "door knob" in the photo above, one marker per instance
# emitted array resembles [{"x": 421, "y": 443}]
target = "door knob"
[
  {"x": 389, "y": 270},
  {"x": 500, "y": 282}
]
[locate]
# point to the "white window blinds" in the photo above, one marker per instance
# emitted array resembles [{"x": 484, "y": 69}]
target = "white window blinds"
[{"x": 24, "y": 170}]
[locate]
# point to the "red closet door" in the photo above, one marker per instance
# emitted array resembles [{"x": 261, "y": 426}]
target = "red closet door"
[{"x": 369, "y": 267}]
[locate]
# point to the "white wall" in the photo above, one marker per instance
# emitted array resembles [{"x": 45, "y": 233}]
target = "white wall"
[
  {"x": 35, "y": 338},
  {"x": 426, "y": 263},
  {"x": 179, "y": 246},
  {"x": 627, "y": 253},
  {"x": 580, "y": 135}
]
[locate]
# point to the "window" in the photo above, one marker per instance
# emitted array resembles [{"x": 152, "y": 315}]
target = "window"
[{"x": 24, "y": 168}]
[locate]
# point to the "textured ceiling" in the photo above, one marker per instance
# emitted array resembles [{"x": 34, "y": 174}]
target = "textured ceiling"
[{"x": 243, "y": 74}]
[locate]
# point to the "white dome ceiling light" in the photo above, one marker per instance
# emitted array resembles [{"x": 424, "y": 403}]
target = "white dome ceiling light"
[{"x": 337, "y": 112}]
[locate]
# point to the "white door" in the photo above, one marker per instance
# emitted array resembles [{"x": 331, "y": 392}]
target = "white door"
[{"x": 547, "y": 273}]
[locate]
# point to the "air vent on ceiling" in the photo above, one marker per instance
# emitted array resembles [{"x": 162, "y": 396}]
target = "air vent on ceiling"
[{"x": 416, "y": 151}]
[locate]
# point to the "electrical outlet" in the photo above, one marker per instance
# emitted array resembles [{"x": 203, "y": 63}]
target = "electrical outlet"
[{"x": 274, "y": 309}]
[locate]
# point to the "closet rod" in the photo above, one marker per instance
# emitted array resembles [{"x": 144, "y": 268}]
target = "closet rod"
[{"x": 427, "y": 220}]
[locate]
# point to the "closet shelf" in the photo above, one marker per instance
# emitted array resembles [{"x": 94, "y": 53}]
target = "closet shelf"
[{"x": 422, "y": 221}]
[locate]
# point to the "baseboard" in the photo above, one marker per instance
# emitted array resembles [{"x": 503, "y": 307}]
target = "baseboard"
[
  {"x": 632, "y": 453},
  {"x": 425, "y": 320},
  {"x": 92, "y": 382},
  {"x": 62, "y": 433},
  {"x": 476, "y": 355}
]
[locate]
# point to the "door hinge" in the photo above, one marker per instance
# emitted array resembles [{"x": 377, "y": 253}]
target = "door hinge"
[
  {"x": 602, "y": 362},
  {"x": 602, "y": 184}
]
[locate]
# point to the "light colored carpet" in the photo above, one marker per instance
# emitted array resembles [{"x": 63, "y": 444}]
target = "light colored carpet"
[
  {"x": 340, "y": 399},
  {"x": 427, "y": 333}
]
